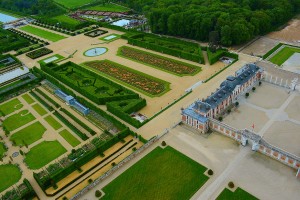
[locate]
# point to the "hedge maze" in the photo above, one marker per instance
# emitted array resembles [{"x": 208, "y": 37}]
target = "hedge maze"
[
  {"x": 175, "y": 47},
  {"x": 144, "y": 83},
  {"x": 166, "y": 64}
]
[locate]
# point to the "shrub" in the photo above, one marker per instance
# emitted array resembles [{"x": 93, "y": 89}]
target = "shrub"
[
  {"x": 98, "y": 193},
  {"x": 229, "y": 111},
  {"x": 231, "y": 184},
  {"x": 113, "y": 164},
  {"x": 247, "y": 94},
  {"x": 134, "y": 149},
  {"x": 90, "y": 181},
  {"x": 259, "y": 83},
  {"x": 253, "y": 89},
  {"x": 210, "y": 172},
  {"x": 163, "y": 143},
  {"x": 220, "y": 118},
  {"x": 237, "y": 104}
]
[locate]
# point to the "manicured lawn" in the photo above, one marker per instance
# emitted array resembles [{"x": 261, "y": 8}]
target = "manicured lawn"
[
  {"x": 29, "y": 134},
  {"x": 9, "y": 175},
  {"x": 284, "y": 54},
  {"x": 43, "y": 153},
  {"x": 2, "y": 149},
  {"x": 42, "y": 33},
  {"x": 73, "y": 141},
  {"x": 162, "y": 174},
  {"x": 108, "y": 7},
  {"x": 17, "y": 120},
  {"x": 73, "y": 3},
  {"x": 66, "y": 19},
  {"x": 39, "y": 109},
  {"x": 11, "y": 106},
  {"x": 51, "y": 59},
  {"x": 28, "y": 98},
  {"x": 53, "y": 122},
  {"x": 111, "y": 37},
  {"x": 238, "y": 194}
]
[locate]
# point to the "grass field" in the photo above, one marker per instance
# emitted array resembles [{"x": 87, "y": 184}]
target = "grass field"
[
  {"x": 53, "y": 122},
  {"x": 9, "y": 175},
  {"x": 283, "y": 55},
  {"x": 29, "y": 134},
  {"x": 73, "y": 141},
  {"x": 59, "y": 57},
  {"x": 162, "y": 174},
  {"x": 28, "y": 98},
  {"x": 17, "y": 120},
  {"x": 39, "y": 109},
  {"x": 43, "y": 153},
  {"x": 238, "y": 194},
  {"x": 73, "y": 3},
  {"x": 42, "y": 33},
  {"x": 66, "y": 19},
  {"x": 108, "y": 7},
  {"x": 2, "y": 150},
  {"x": 11, "y": 106}
]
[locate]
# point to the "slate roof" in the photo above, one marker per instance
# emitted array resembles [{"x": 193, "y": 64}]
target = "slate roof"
[{"x": 189, "y": 111}]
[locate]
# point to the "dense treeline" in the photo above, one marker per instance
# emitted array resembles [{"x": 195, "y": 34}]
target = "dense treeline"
[
  {"x": 32, "y": 7},
  {"x": 236, "y": 21}
]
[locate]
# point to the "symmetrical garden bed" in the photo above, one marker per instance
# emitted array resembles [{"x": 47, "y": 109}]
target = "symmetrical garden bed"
[
  {"x": 144, "y": 83},
  {"x": 166, "y": 64},
  {"x": 95, "y": 33},
  {"x": 39, "y": 53}
]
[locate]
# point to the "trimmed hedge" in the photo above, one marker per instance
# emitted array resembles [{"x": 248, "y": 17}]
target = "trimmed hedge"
[
  {"x": 44, "y": 103},
  {"x": 82, "y": 124},
  {"x": 71, "y": 126},
  {"x": 124, "y": 112},
  {"x": 214, "y": 57},
  {"x": 39, "y": 53},
  {"x": 47, "y": 97}
]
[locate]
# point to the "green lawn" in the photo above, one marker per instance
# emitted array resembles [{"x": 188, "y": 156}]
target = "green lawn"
[
  {"x": 73, "y": 141},
  {"x": 238, "y": 194},
  {"x": 112, "y": 39},
  {"x": 73, "y": 3},
  {"x": 2, "y": 149},
  {"x": 162, "y": 174},
  {"x": 39, "y": 109},
  {"x": 53, "y": 122},
  {"x": 9, "y": 175},
  {"x": 11, "y": 106},
  {"x": 17, "y": 120},
  {"x": 56, "y": 55},
  {"x": 66, "y": 19},
  {"x": 42, "y": 33},
  {"x": 28, "y": 98},
  {"x": 284, "y": 54},
  {"x": 43, "y": 153},
  {"x": 108, "y": 7},
  {"x": 29, "y": 134}
]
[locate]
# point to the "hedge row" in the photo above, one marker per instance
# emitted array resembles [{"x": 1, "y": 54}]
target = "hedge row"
[
  {"x": 50, "y": 69},
  {"x": 48, "y": 98},
  {"x": 39, "y": 53},
  {"x": 25, "y": 193},
  {"x": 47, "y": 181},
  {"x": 71, "y": 126},
  {"x": 44, "y": 103},
  {"x": 124, "y": 113},
  {"x": 214, "y": 57},
  {"x": 82, "y": 124}
]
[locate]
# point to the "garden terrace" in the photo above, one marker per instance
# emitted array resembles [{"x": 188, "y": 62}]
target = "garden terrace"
[
  {"x": 175, "y": 47},
  {"x": 10, "y": 106},
  {"x": 96, "y": 33},
  {"x": 93, "y": 86},
  {"x": 17, "y": 120},
  {"x": 166, "y": 64},
  {"x": 144, "y": 83},
  {"x": 42, "y": 33},
  {"x": 9, "y": 175},
  {"x": 22, "y": 191},
  {"x": 10, "y": 41},
  {"x": 284, "y": 54},
  {"x": 149, "y": 171},
  {"x": 39, "y": 53}
]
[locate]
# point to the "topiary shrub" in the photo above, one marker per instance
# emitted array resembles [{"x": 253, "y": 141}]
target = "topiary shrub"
[
  {"x": 220, "y": 118},
  {"x": 210, "y": 172},
  {"x": 237, "y": 104},
  {"x": 247, "y": 95},
  {"x": 259, "y": 83},
  {"x": 98, "y": 193},
  {"x": 253, "y": 89},
  {"x": 163, "y": 143},
  {"x": 231, "y": 184},
  {"x": 90, "y": 181}
]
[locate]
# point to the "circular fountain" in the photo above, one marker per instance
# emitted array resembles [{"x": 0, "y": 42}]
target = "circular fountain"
[{"x": 95, "y": 51}]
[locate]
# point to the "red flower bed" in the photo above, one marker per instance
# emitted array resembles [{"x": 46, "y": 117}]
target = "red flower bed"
[
  {"x": 167, "y": 64},
  {"x": 136, "y": 79}
]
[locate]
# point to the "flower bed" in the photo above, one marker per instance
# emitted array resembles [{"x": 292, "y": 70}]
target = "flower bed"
[
  {"x": 95, "y": 33},
  {"x": 166, "y": 64},
  {"x": 39, "y": 53},
  {"x": 143, "y": 82}
]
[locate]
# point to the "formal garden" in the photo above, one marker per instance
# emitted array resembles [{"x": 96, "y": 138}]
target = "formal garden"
[
  {"x": 284, "y": 54},
  {"x": 166, "y": 64},
  {"x": 10, "y": 41},
  {"x": 161, "y": 174},
  {"x": 237, "y": 194},
  {"x": 10, "y": 106},
  {"x": 3, "y": 150},
  {"x": 55, "y": 58},
  {"x": 54, "y": 37},
  {"x": 96, "y": 33},
  {"x": 144, "y": 83},
  {"x": 39, "y": 53},
  {"x": 9, "y": 175},
  {"x": 110, "y": 38},
  {"x": 17, "y": 120}
]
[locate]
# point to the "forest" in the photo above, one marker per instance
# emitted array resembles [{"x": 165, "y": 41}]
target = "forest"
[{"x": 235, "y": 21}]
